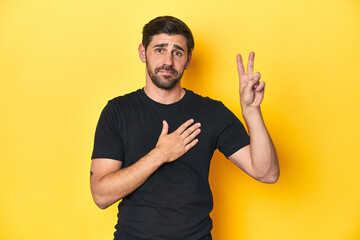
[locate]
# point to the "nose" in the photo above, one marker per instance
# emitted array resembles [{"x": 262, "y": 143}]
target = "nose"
[{"x": 168, "y": 60}]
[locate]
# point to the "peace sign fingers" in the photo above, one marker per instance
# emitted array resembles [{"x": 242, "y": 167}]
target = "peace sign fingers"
[
  {"x": 251, "y": 89},
  {"x": 240, "y": 65},
  {"x": 244, "y": 77},
  {"x": 250, "y": 65}
]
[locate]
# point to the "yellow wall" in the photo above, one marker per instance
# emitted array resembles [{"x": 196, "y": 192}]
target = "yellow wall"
[{"x": 60, "y": 61}]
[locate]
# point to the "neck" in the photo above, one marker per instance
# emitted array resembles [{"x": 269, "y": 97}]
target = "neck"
[{"x": 164, "y": 96}]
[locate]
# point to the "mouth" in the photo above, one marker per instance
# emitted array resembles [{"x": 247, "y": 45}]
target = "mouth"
[{"x": 166, "y": 71}]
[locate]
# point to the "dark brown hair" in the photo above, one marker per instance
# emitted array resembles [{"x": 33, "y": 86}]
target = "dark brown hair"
[{"x": 169, "y": 25}]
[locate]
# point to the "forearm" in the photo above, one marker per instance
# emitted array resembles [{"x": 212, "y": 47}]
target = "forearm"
[
  {"x": 117, "y": 185},
  {"x": 264, "y": 161}
]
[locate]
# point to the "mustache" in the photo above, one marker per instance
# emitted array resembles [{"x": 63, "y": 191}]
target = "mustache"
[{"x": 166, "y": 68}]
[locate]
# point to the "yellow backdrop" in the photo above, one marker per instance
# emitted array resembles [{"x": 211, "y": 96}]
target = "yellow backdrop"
[{"x": 60, "y": 61}]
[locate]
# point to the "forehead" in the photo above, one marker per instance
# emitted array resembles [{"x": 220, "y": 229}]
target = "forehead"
[{"x": 171, "y": 40}]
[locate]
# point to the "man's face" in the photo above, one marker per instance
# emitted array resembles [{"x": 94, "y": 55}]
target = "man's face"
[{"x": 166, "y": 59}]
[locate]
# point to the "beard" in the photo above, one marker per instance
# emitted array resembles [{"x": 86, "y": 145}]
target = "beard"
[{"x": 166, "y": 82}]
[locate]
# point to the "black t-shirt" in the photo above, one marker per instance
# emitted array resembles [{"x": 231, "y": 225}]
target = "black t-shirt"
[{"x": 175, "y": 201}]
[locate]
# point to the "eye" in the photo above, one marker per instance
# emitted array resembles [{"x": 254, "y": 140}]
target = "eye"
[
  {"x": 159, "y": 50},
  {"x": 177, "y": 53}
]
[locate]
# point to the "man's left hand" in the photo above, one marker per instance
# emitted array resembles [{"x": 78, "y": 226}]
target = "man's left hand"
[{"x": 251, "y": 89}]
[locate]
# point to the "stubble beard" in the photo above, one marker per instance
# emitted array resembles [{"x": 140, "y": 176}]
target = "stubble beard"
[{"x": 166, "y": 82}]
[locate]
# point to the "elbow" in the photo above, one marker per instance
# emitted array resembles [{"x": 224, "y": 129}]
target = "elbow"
[
  {"x": 101, "y": 201},
  {"x": 268, "y": 175},
  {"x": 101, "y": 198},
  {"x": 102, "y": 205},
  {"x": 269, "y": 178},
  {"x": 104, "y": 200}
]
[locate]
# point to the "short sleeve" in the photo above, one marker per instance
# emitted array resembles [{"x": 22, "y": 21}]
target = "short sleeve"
[
  {"x": 232, "y": 135},
  {"x": 108, "y": 143}
]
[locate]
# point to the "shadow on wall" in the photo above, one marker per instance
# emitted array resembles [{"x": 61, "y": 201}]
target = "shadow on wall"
[
  {"x": 200, "y": 66},
  {"x": 234, "y": 191}
]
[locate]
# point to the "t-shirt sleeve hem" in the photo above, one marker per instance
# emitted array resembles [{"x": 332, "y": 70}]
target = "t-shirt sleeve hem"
[
  {"x": 234, "y": 148},
  {"x": 103, "y": 154}
]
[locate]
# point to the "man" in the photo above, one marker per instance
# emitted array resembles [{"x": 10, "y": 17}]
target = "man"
[{"x": 153, "y": 146}]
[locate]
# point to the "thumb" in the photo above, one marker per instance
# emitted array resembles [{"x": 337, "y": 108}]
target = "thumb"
[{"x": 165, "y": 128}]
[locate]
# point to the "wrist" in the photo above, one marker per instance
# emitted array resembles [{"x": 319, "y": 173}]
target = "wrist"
[
  {"x": 158, "y": 156},
  {"x": 251, "y": 112}
]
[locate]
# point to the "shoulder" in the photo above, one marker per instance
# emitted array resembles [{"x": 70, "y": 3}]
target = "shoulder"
[
  {"x": 124, "y": 99},
  {"x": 123, "y": 102},
  {"x": 215, "y": 108},
  {"x": 208, "y": 105},
  {"x": 118, "y": 106},
  {"x": 206, "y": 101}
]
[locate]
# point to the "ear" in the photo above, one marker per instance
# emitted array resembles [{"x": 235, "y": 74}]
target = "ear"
[
  {"x": 188, "y": 60},
  {"x": 142, "y": 53}
]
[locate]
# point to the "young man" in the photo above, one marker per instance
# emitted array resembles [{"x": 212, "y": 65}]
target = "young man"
[{"x": 153, "y": 146}]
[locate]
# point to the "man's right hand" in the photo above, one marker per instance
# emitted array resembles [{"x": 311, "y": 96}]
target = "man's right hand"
[
  {"x": 174, "y": 145},
  {"x": 110, "y": 182}
]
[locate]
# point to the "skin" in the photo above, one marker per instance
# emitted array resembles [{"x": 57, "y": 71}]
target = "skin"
[
  {"x": 259, "y": 159},
  {"x": 170, "y": 55},
  {"x": 166, "y": 58}
]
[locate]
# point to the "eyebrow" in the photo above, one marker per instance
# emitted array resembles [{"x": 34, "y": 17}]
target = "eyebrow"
[{"x": 166, "y": 44}]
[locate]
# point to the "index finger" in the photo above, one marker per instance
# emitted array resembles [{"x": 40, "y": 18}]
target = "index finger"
[
  {"x": 250, "y": 65},
  {"x": 240, "y": 65}
]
